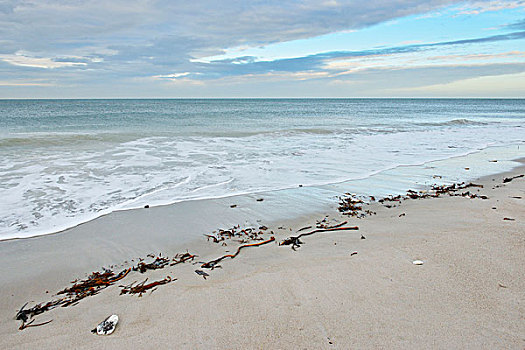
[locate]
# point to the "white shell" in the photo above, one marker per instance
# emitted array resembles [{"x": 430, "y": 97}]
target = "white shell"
[
  {"x": 107, "y": 326},
  {"x": 417, "y": 262}
]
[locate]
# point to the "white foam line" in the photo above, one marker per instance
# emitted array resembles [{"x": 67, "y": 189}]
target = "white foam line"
[{"x": 87, "y": 218}]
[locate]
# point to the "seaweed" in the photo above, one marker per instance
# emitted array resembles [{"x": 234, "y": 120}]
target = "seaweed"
[
  {"x": 295, "y": 241},
  {"x": 213, "y": 263},
  {"x": 142, "y": 287}
]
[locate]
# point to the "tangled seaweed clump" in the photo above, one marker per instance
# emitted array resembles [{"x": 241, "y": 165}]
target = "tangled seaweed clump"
[
  {"x": 95, "y": 283},
  {"x": 78, "y": 291},
  {"x": 242, "y": 235},
  {"x": 158, "y": 263},
  {"x": 142, "y": 287},
  {"x": 436, "y": 191},
  {"x": 353, "y": 206}
]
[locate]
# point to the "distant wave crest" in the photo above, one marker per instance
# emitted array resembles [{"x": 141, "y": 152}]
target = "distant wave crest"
[
  {"x": 454, "y": 122},
  {"x": 62, "y": 139}
]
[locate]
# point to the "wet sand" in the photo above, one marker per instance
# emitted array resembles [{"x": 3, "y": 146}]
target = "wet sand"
[{"x": 469, "y": 292}]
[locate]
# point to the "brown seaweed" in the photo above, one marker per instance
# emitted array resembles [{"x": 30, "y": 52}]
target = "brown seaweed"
[
  {"x": 182, "y": 258},
  {"x": 353, "y": 206},
  {"x": 509, "y": 179},
  {"x": 243, "y": 235},
  {"x": 158, "y": 263},
  {"x": 80, "y": 290},
  {"x": 202, "y": 273},
  {"x": 213, "y": 264},
  {"x": 295, "y": 241},
  {"x": 142, "y": 287},
  {"x": 30, "y": 324}
]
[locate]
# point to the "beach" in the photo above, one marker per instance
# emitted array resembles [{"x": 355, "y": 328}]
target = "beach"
[
  {"x": 337, "y": 290},
  {"x": 272, "y": 175}
]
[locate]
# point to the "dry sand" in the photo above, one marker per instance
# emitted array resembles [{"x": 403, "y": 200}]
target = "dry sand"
[{"x": 469, "y": 293}]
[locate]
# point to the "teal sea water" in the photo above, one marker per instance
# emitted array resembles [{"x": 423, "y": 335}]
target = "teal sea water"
[{"x": 63, "y": 162}]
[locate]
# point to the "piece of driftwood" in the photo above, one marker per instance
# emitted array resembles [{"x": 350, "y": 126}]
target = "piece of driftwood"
[
  {"x": 213, "y": 264},
  {"x": 295, "y": 241}
]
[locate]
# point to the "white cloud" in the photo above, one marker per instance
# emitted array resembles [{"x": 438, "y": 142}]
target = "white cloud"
[
  {"x": 171, "y": 76},
  {"x": 22, "y": 60},
  {"x": 23, "y": 83}
]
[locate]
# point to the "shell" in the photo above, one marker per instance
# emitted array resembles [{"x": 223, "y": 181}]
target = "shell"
[
  {"x": 107, "y": 326},
  {"x": 417, "y": 262}
]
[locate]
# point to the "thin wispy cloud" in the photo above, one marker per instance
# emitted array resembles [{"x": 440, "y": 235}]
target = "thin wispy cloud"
[
  {"x": 249, "y": 65},
  {"x": 518, "y": 25},
  {"x": 477, "y": 7}
]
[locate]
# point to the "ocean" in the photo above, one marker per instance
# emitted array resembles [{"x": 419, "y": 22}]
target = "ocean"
[{"x": 64, "y": 162}]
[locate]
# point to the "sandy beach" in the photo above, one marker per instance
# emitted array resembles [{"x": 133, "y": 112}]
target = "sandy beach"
[
  {"x": 263, "y": 175},
  {"x": 336, "y": 290}
]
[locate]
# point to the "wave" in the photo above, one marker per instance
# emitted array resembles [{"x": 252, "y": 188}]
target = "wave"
[
  {"x": 276, "y": 132},
  {"x": 454, "y": 122},
  {"x": 66, "y": 138},
  {"x": 61, "y": 139},
  {"x": 50, "y": 139}
]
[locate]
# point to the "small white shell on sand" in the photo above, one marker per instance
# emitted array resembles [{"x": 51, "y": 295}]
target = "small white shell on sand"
[
  {"x": 417, "y": 262},
  {"x": 107, "y": 326}
]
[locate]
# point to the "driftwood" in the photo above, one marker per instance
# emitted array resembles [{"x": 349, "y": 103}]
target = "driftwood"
[
  {"x": 213, "y": 264},
  {"x": 295, "y": 240}
]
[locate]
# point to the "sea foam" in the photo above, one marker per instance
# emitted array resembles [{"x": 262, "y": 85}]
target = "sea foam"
[{"x": 83, "y": 159}]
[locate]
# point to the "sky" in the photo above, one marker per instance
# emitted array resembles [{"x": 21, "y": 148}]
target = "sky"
[{"x": 270, "y": 48}]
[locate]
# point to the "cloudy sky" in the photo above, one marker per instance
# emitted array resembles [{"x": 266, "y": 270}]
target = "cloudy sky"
[{"x": 261, "y": 48}]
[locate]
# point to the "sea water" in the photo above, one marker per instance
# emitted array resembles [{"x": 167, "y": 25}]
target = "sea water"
[{"x": 64, "y": 162}]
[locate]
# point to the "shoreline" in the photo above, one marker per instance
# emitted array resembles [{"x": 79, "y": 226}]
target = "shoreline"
[
  {"x": 264, "y": 266},
  {"x": 336, "y": 185}
]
